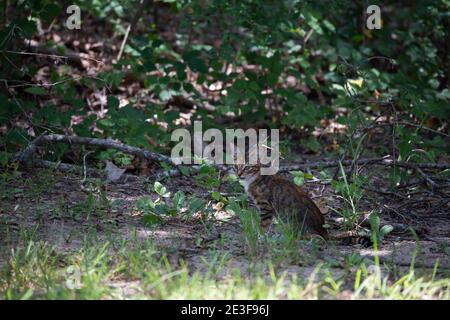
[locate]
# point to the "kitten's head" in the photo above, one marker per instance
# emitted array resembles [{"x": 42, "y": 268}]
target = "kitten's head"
[
  {"x": 246, "y": 171},
  {"x": 246, "y": 164}
]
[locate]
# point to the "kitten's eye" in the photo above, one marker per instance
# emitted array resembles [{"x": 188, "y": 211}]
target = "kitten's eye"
[{"x": 240, "y": 170}]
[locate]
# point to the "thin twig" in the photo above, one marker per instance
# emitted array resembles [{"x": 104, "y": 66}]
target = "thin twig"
[
  {"x": 131, "y": 26},
  {"x": 383, "y": 161},
  {"x": 70, "y": 56},
  {"x": 428, "y": 180},
  {"x": 406, "y": 123},
  {"x": 84, "y": 166}
]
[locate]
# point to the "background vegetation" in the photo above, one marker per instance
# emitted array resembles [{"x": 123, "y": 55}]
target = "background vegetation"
[{"x": 295, "y": 65}]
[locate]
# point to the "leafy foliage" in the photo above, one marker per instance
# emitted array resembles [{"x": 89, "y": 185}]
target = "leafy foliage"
[
  {"x": 309, "y": 58},
  {"x": 166, "y": 206}
]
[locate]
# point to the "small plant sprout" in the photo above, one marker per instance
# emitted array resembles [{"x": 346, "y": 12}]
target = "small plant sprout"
[{"x": 378, "y": 233}]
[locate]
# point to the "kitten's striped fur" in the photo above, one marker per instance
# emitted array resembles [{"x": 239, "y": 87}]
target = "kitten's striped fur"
[{"x": 277, "y": 196}]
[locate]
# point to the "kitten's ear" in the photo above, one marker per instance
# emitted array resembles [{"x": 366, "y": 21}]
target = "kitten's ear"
[
  {"x": 238, "y": 152},
  {"x": 252, "y": 154}
]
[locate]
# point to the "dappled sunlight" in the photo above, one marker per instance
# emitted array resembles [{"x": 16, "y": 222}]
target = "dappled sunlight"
[{"x": 200, "y": 149}]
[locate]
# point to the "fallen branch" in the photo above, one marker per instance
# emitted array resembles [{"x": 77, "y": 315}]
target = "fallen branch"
[
  {"x": 384, "y": 161},
  {"x": 106, "y": 144},
  {"x": 69, "y": 56},
  {"x": 38, "y": 50},
  {"x": 329, "y": 164},
  {"x": 27, "y": 156}
]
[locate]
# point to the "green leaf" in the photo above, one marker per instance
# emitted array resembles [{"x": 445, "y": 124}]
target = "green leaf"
[
  {"x": 36, "y": 90},
  {"x": 272, "y": 79},
  {"x": 145, "y": 204},
  {"x": 374, "y": 222},
  {"x": 184, "y": 170},
  {"x": 329, "y": 26},
  {"x": 27, "y": 28},
  {"x": 152, "y": 219},
  {"x": 195, "y": 205},
  {"x": 386, "y": 229},
  {"x": 165, "y": 95},
  {"x": 113, "y": 102},
  {"x": 165, "y": 166},
  {"x": 50, "y": 12},
  {"x": 234, "y": 208},
  {"x": 312, "y": 144},
  {"x": 299, "y": 177},
  {"x": 216, "y": 196},
  {"x": 108, "y": 123},
  {"x": 4, "y": 158},
  {"x": 178, "y": 199},
  {"x": 194, "y": 62},
  {"x": 161, "y": 209},
  {"x": 308, "y": 176},
  {"x": 159, "y": 188}
]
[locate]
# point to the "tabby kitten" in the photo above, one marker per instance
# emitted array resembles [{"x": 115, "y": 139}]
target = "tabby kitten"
[{"x": 276, "y": 196}]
